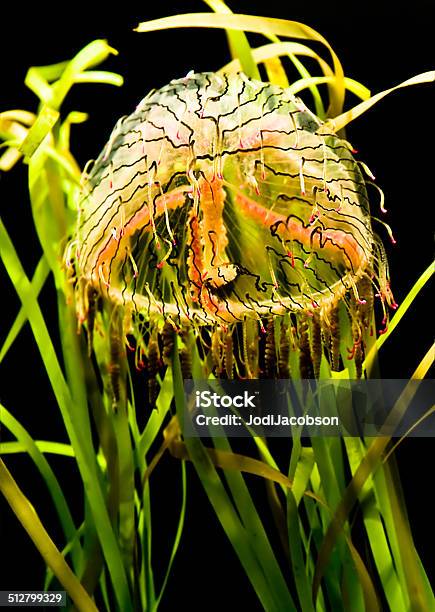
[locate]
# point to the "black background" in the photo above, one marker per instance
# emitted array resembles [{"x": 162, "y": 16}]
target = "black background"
[{"x": 379, "y": 44}]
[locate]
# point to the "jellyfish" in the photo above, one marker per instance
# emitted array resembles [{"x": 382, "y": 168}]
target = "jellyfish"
[{"x": 224, "y": 207}]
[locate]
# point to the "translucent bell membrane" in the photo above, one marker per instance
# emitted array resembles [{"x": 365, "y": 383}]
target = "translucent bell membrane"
[{"x": 218, "y": 200}]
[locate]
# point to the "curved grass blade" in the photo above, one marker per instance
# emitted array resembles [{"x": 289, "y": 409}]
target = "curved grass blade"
[
  {"x": 93, "y": 54},
  {"x": 296, "y": 555},
  {"x": 366, "y": 468},
  {"x": 178, "y": 534},
  {"x": 228, "y": 460},
  {"x": 84, "y": 452},
  {"x": 279, "y": 49},
  {"x": 38, "y": 281},
  {"x": 225, "y": 511},
  {"x": 376, "y": 518},
  {"x": 418, "y": 422},
  {"x": 44, "y": 446},
  {"x": 30, "y": 446},
  {"x": 353, "y": 86},
  {"x": 260, "y": 25},
  {"x": 272, "y": 51},
  {"x": 420, "y": 596},
  {"x": 99, "y": 76},
  {"x": 65, "y": 551},
  {"x": 42, "y": 126},
  {"x": 237, "y": 41},
  {"x": 400, "y": 312},
  {"x": 342, "y": 120},
  {"x": 51, "y": 555}
]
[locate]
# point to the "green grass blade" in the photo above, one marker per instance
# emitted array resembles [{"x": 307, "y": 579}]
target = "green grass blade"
[
  {"x": 222, "y": 505},
  {"x": 297, "y": 557},
  {"x": 32, "y": 524},
  {"x": 372, "y": 507},
  {"x": 28, "y": 445},
  {"x": 342, "y": 120},
  {"x": 238, "y": 42},
  {"x": 419, "y": 597},
  {"x": 367, "y": 467},
  {"x": 44, "y": 446},
  {"x": 93, "y": 54},
  {"x": 44, "y": 122},
  {"x": 65, "y": 551},
  {"x": 38, "y": 281},
  {"x": 99, "y": 76},
  {"x": 259, "y": 25},
  {"x": 401, "y": 311},
  {"x": 178, "y": 533},
  {"x": 85, "y": 456}
]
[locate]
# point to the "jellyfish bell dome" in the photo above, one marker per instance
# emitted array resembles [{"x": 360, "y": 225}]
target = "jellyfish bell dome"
[{"x": 220, "y": 199}]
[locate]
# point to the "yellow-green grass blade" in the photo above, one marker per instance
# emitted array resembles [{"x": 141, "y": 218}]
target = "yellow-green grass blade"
[
  {"x": 353, "y": 86},
  {"x": 38, "y": 281},
  {"x": 126, "y": 529},
  {"x": 157, "y": 416},
  {"x": 65, "y": 551},
  {"x": 420, "y": 597},
  {"x": 318, "y": 519},
  {"x": 386, "y": 510},
  {"x": 14, "y": 127},
  {"x": 90, "y": 56},
  {"x": 177, "y": 537},
  {"x": 44, "y": 446},
  {"x": 25, "y": 443},
  {"x": 339, "y": 122},
  {"x": 99, "y": 76},
  {"x": 372, "y": 507},
  {"x": 224, "y": 509},
  {"x": 418, "y": 422},
  {"x": 331, "y": 480},
  {"x": 233, "y": 466},
  {"x": 65, "y": 162},
  {"x": 400, "y": 312},
  {"x": 279, "y": 49},
  {"x": 13, "y": 130},
  {"x": 371, "y": 601},
  {"x": 367, "y": 467},
  {"x": 84, "y": 454},
  {"x": 37, "y": 83},
  {"x": 65, "y": 74},
  {"x": 48, "y": 208},
  {"x": 117, "y": 416},
  {"x": 15, "y": 115},
  {"x": 276, "y": 73},
  {"x": 11, "y": 156},
  {"x": 147, "y": 589},
  {"x": 42, "y": 126},
  {"x": 38, "y": 79},
  {"x": 27, "y": 516},
  {"x": 297, "y": 556},
  {"x": 52, "y": 72},
  {"x": 237, "y": 41},
  {"x": 145, "y": 575},
  {"x": 259, "y": 25},
  {"x": 306, "y": 76},
  {"x": 302, "y": 473},
  {"x": 63, "y": 144}
]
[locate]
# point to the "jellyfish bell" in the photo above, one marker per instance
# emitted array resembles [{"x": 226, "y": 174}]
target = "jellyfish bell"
[{"x": 221, "y": 200}]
